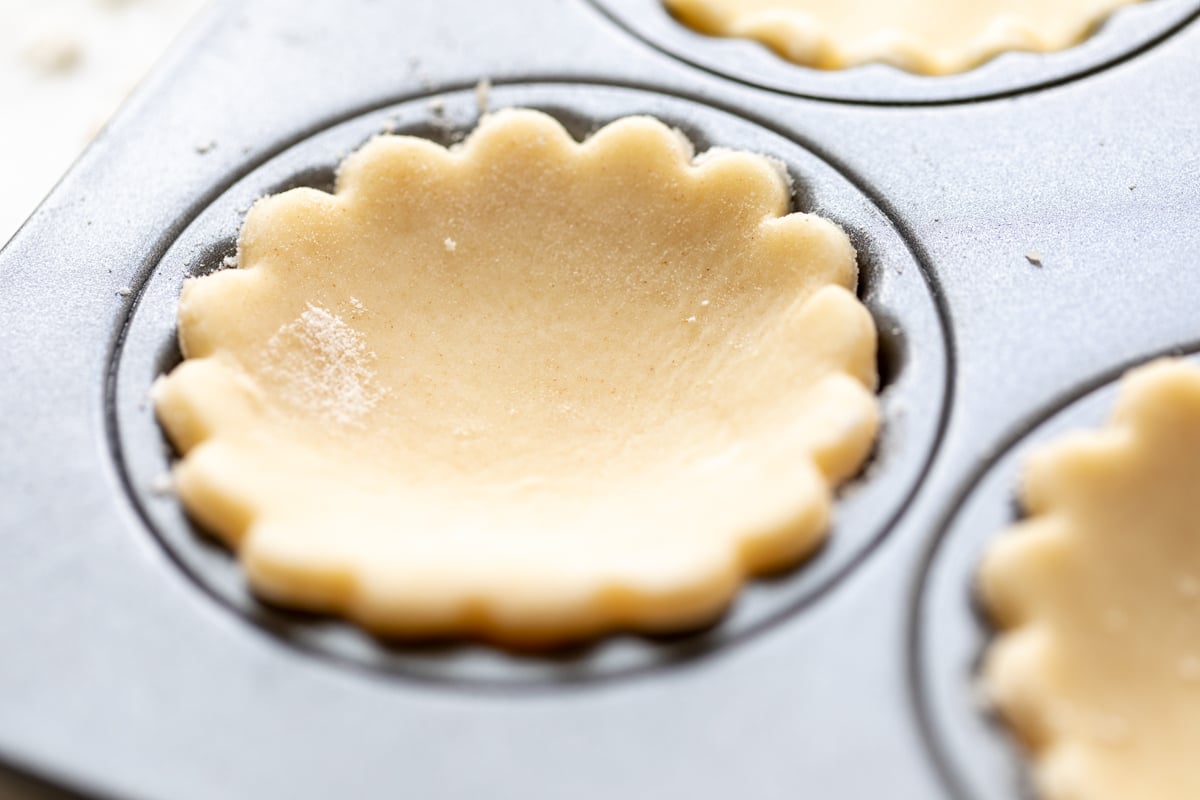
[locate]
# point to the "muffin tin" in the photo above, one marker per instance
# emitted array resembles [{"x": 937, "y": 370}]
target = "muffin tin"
[{"x": 137, "y": 664}]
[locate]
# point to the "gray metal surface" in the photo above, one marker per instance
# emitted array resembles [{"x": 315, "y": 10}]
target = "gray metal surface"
[{"x": 134, "y": 664}]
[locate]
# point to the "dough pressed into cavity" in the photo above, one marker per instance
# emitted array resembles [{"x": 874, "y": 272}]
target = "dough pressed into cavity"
[
  {"x": 930, "y": 37},
  {"x": 1098, "y": 592},
  {"x": 526, "y": 389}
]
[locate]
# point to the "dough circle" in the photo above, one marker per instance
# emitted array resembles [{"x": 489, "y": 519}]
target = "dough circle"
[
  {"x": 526, "y": 389},
  {"x": 1098, "y": 593},
  {"x": 927, "y": 37}
]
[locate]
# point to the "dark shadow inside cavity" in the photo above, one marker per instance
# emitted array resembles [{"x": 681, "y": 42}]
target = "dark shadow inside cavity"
[
  {"x": 892, "y": 343},
  {"x": 1022, "y": 779},
  {"x": 168, "y": 357},
  {"x": 580, "y": 126},
  {"x": 890, "y": 356},
  {"x": 322, "y": 177},
  {"x": 1022, "y": 784},
  {"x": 440, "y": 130},
  {"x": 870, "y": 260},
  {"x": 213, "y": 257},
  {"x": 892, "y": 350},
  {"x": 701, "y": 141},
  {"x": 571, "y": 661},
  {"x": 568, "y": 663},
  {"x": 801, "y": 196}
]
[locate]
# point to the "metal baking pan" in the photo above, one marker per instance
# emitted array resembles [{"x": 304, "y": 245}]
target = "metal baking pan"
[{"x": 136, "y": 664}]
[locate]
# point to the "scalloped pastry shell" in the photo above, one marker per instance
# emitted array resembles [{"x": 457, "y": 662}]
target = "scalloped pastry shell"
[
  {"x": 526, "y": 389},
  {"x": 1098, "y": 670},
  {"x": 929, "y": 37}
]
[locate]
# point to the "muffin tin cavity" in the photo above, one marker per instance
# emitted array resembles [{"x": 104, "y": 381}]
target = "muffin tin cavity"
[
  {"x": 978, "y": 756},
  {"x": 893, "y": 284},
  {"x": 1129, "y": 31}
]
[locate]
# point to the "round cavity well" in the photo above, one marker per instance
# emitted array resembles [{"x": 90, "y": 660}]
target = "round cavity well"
[
  {"x": 980, "y": 759},
  {"x": 1129, "y": 31},
  {"x": 914, "y": 362}
]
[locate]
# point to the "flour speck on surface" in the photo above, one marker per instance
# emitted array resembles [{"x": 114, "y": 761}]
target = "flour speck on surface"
[
  {"x": 323, "y": 365},
  {"x": 163, "y": 485},
  {"x": 53, "y": 51},
  {"x": 483, "y": 93}
]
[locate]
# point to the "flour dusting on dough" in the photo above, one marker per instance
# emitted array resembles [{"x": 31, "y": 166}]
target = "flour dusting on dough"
[{"x": 324, "y": 366}]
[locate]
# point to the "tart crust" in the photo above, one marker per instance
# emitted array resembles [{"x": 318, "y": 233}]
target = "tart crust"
[
  {"x": 1098, "y": 594},
  {"x": 526, "y": 388},
  {"x": 928, "y": 37}
]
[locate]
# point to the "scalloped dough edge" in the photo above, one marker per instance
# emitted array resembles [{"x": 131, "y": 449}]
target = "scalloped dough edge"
[
  {"x": 202, "y": 387},
  {"x": 806, "y": 41},
  {"x": 1019, "y": 659}
]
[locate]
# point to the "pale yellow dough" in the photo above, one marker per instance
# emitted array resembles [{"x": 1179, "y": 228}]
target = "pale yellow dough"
[
  {"x": 931, "y": 37},
  {"x": 526, "y": 389},
  {"x": 1099, "y": 590}
]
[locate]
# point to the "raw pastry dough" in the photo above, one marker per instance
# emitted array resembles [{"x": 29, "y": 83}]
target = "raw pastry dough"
[
  {"x": 526, "y": 389},
  {"x": 931, "y": 37},
  {"x": 1099, "y": 672}
]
